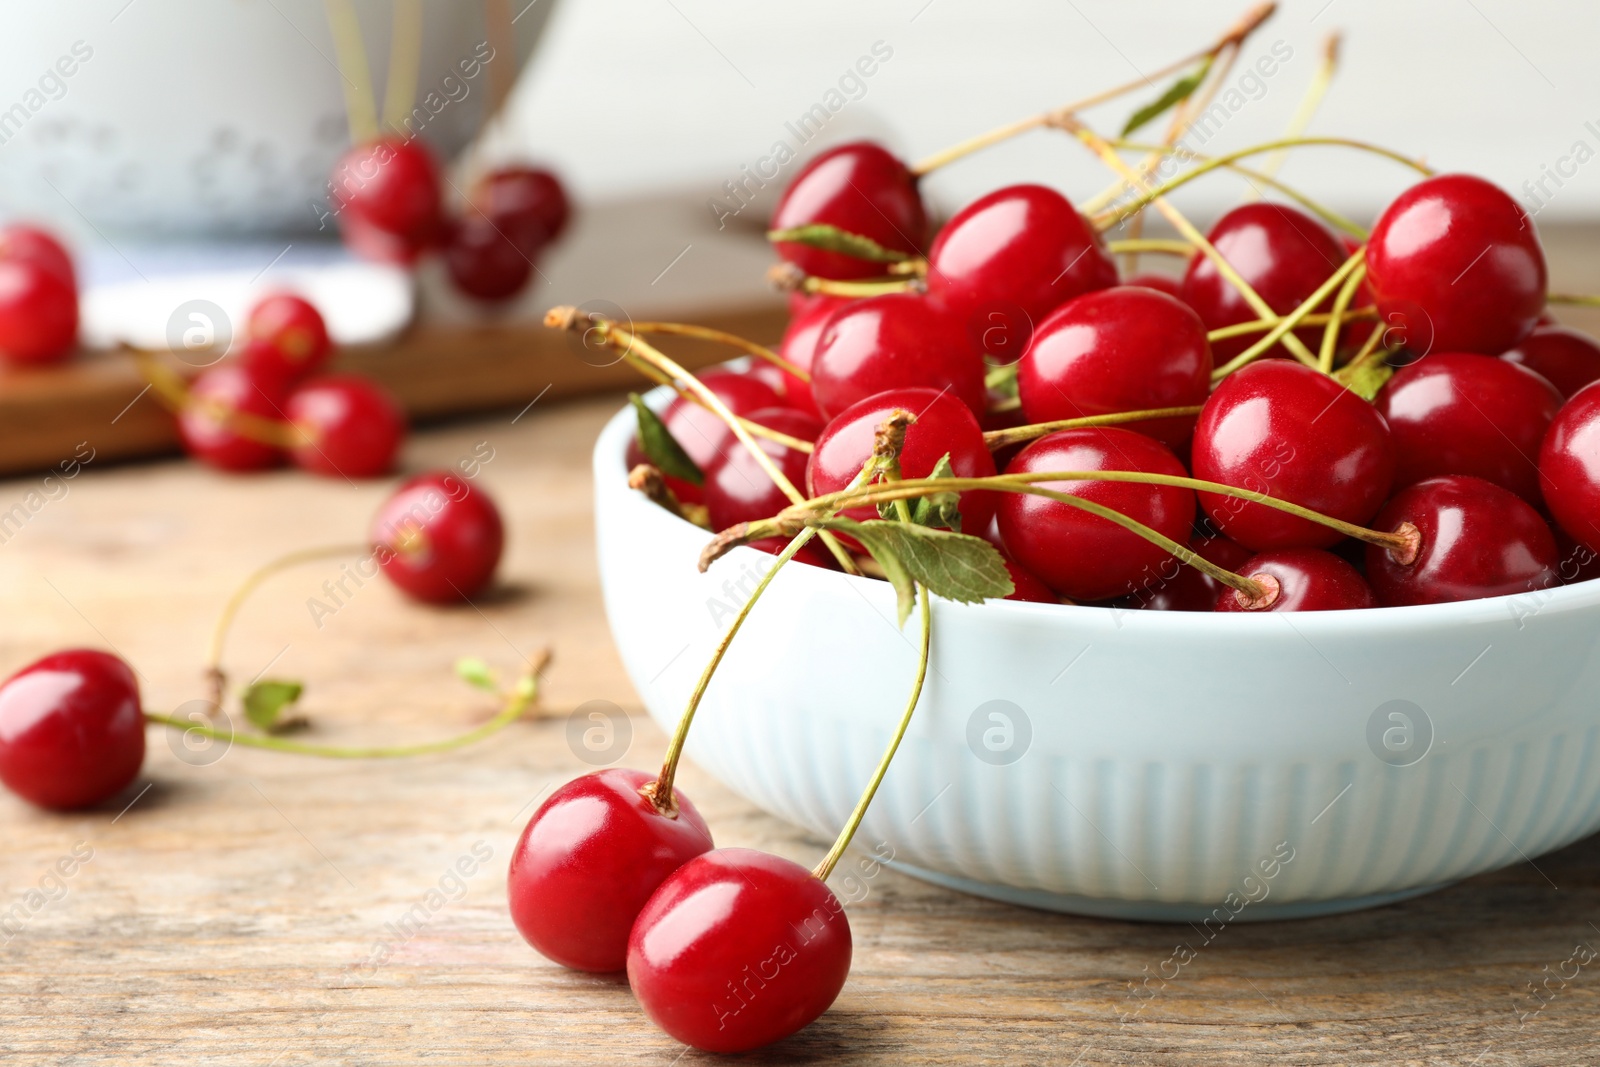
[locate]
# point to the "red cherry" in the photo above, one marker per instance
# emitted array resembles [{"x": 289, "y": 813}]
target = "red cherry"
[
  {"x": 354, "y": 427},
  {"x": 230, "y": 387},
  {"x": 893, "y": 341},
  {"x": 22, "y": 242},
  {"x": 1579, "y": 562},
  {"x": 705, "y": 437},
  {"x": 488, "y": 260},
  {"x": 71, "y": 730},
  {"x": 1569, "y": 467},
  {"x": 1568, "y": 359},
  {"x": 1026, "y": 584},
  {"x": 1008, "y": 259},
  {"x": 388, "y": 199},
  {"x": 38, "y": 312},
  {"x": 738, "y": 949},
  {"x": 1122, "y": 349},
  {"x": 943, "y": 425},
  {"x": 1161, "y": 283},
  {"x": 438, "y": 539},
  {"x": 1178, "y": 587},
  {"x": 1283, "y": 429},
  {"x": 590, "y": 858},
  {"x": 1300, "y": 579},
  {"x": 288, "y": 337},
  {"x": 1080, "y": 555},
  {"x": 1457, "y": 413},
  {"x": 1456, "y": 266},
  {"x": 519, "y": 196},
  {"x": 859, "y": 188},
  {"x": 738, "y": 490},
  {"x": 1284, "y": 254},
  {"x": 1478, "y": 540},
  {"x": 799, "y": 346}
]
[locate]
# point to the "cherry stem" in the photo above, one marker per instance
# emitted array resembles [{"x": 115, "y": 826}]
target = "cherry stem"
[
  {"x": 1151, "y": 244},
  {"x": 405, "y": 62},
  {"x": 1240, "y": 329},
  {"x": 1315, "y": 92},
  {"x": 1013, "y": 434},
  {"x": 176, "y": 397},
  {"x": 360, "y": 103},
  {"x": 706, "y": 333},
  {"x": 517, "y": 701},
  {"x": 648, "y": 480},
  {"x": 1577, "y": 299},
  {"x": 654, "y": 375},
  {"x": 1280, "y": 332},
  {"x": 1330, "y": 334},
  {"x": 1235, "y": 34},
  {"x": 788, "y": 278},
  {"x": 215, "y": 677}
]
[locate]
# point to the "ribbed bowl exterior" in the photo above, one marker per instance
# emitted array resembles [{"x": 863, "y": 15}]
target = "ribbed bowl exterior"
[{"x": 1144, "y": 764}]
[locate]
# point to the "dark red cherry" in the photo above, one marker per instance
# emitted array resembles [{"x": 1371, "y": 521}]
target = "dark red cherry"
[
  {"x": 738, "y": 949},
  {"x": 589, "y": 859},
  {"x": 1456, "y": 266},
  {"x": 387, "y": 193},
  {"x": 352, "y": 426},
  {"x": 1123, "y": 349},
  {"x": 893, "y": 341},
  {"x": 288, "y": 337},
  {"x": 1457, "y": 413},
  {"x": 1083, "y": 556},
  {"x": 1179, "y": 587},
  {"x": 1478, "y": 540},
  {"x": 1283, "y": 429},
  {"x": 20, "y": 241},
  {"x": 438, "y": 539},
  {"x": 71, "y": 730},
  {"x": 521, "y": 199},
  {"x": 489, "y": 261},
  {"x": 1026, "y": 585},
  {"x": 705, "y": 437},
  {"x": 38, "y": 312},
  {"x": 219, "y": 391},
  {"x": 738, "y": 490},
  {"x": 1161, "y": 283},
  {"x": 1008, "y": 259},
  {"x": 1579, "y": 562},
  {"x": 1300, "y": 579},
  {"x": 799, "y": 346},
  {"x": 859, "y": 188},
  {"x": 1569, "y": 467},
  {"x": 942, "y": 425},
  {"x": 1568, "y": 359},
  {"x": 1283, "y": 253}
]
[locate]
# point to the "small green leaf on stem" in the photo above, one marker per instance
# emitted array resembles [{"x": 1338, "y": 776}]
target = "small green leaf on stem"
[
  {"x": 832, "y": 239},
  {"x": 938, "y": 509},
  {"x": 266, "y": 701},
  {"x": 1176, "y": 93},
  {"x": 661, "y": 448},
  {"x": 1365, "y": 377},
  {"x": 952, "y": 565},
  {"x": 476, "y": 672}
]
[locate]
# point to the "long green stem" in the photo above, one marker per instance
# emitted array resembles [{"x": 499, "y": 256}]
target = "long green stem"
[
  {"x": 1014, "y": 434},
  {"x": 1151, "y": 244},
  {"x": 1280, "y": 332},
  {"x": 1575, "y": 299},
  {"x": 722, "y": 337},
  {"x": 1330, "y": 333},
  {"x": 1314, "y": 94},
  {"x": 1241, "y": 329}
]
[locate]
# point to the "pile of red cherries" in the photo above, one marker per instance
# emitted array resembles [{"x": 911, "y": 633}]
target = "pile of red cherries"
[{"x": 1486, "y": 439}]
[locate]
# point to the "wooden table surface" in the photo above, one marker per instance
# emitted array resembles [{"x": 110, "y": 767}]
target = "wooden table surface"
[{"x": 253, "y": 908}]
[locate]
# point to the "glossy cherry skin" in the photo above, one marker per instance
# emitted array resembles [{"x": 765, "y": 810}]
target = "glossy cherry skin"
[
  {"x": 521, "y": 199},
  {"x": 859, "y": 188},
  {"x": 1568, "y": 359},
  {"x": 1478, "y": 540},
  {"x": 1308, "y": 579},
  {"x": 1458, "y": 413},
  {"x": 1283, "y": 253},
  {"x": 1123, "y": 349},
  {"x": 1455, "y": 264},
  {"x": 388, "y": 197},
  {"x": 1161, "y": 283},
  {"x": 799, "y": 346},
  {"x": 20, "y": 241},
  {"x": 1283, "y": 429},
  {"x": 38, "y": 312},
  {"x": 893, "y": 341},
  {"x": 71, "y": 730},
  {"x": 1083, "y": 556},
  {"x": 738, "y": 949},
  {"x": 289, "y": 337},
  {"x": 1178, "y": 587},
  {"x": 230, "y": 387},
  {"x": 1008, "y": 259},
  {"x": 705, "y": 437},
  {"x": 1569, "y": 467},
  {"x": 489, "y": 261},
  {"x": 1026, "y": 585},
  {"x": 1579, "y": 562},
  {"x": 438, "y": 539},
  {"x": 738, "y": 490},
  {"x": 589, "y": 859},
  {"x": 354, "y": 427},
  {"x": 942, "y": 425}
]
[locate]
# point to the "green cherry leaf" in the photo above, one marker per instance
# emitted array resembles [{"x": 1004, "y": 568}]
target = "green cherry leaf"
[
  {"x": 1364, "y": 379},
  {"x": 475, "y": 672},
  {"x": 939, "y": 509},
  {"x": 832, "y": 239},
  {"x": 661, "y": 448},
  {"x": 266, "y": 701},
  {"x": 1176, "y": 93},
  {"x": 952, "y": 565}
]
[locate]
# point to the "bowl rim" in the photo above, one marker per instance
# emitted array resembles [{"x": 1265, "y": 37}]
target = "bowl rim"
[{"x": 610, "y": 452}]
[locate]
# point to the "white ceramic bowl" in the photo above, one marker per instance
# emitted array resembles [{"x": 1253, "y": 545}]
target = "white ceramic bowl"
[
  {"x": 181, "y": 117},
  {"x": 1151, "y": 765}
]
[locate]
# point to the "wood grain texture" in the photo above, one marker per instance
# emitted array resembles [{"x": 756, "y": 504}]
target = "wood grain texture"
[{"x": 236, "y": 912}]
